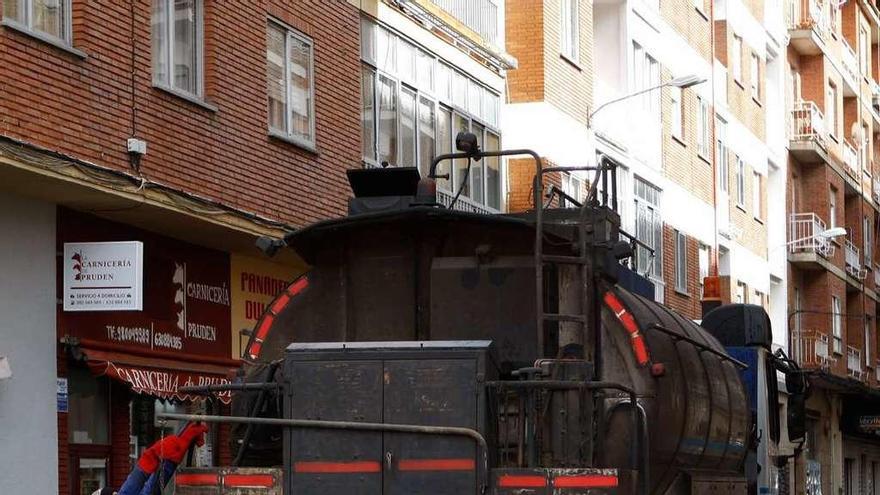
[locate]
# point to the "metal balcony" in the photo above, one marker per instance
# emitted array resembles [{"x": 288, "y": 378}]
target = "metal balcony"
[
  {"x": 851, "y": 159},
  {"x": 803, "y": 235},
  {"x": 811, "y": 349},
  {"x": 809, "y": 25},
  {"x": 480, "y": 16},
  {"x": 854, "y": 363},
  {"x": 807, "y": 134},
  {"x": 853, "y": 261}
]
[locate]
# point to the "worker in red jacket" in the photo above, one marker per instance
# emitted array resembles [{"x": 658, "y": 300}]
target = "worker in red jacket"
[{"x": 158, "y": 463}]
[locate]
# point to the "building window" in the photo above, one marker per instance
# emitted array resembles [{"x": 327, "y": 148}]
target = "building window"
[
  {"x": 757, "y": 194},
  {"x": 837, "y": 324},
  {"x": 868, "y": 342},
  {"x": 676, "y": 120},
  {"x": 646, "y": 75},
  {"x": 703, "y": 131},
  {"x": 574, "y": 188},
  {"x": 740, "y": 182},
  {"x": 703, "y": 260},
  {"x": 413, "y": 106},
  {"x": 759, "y": 299},
  {"x": 736, "y": 59},
  {"x": 868, "y": 241},
  {"x": 721, "y": 155},
  {"x": 741, "y": 291},
  {"x": 649, "y": 228},
  {"x": 864, "y": 51},
  {"x": 680, "y": 262},
  {"x": 831, "y": 108},
  {"x": 48, "y": 17},
  {"x": 570, "y": 30},
  {"x": 177, "y": 45},
  {"x": 756, "y": 77},
  {"x": 832, "y": 208},
  {"x": 289, "y": 71}
]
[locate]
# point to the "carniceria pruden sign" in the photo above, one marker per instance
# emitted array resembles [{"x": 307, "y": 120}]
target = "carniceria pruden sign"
[{"x": 103, "y": 276}]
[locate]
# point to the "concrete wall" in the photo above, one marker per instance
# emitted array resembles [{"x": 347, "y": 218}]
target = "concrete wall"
[{"x": 28, "y": 426}]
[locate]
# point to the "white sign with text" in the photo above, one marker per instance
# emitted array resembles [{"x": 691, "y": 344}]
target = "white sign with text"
[{"x": 103, "y": 276}]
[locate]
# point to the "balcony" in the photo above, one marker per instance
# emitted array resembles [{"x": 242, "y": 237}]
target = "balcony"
[
  {"x": 851, "y": 160},
  {"x": 877, "y": 276},
  {"x": 854, "y": 363},
  {"x": 807, "y": 135},
  {"x": 811, "y": 349},
  {"x": 804, "y": 238},
  {"x": 853, "y": 262},
  {"x": 809, "y": 25},
  {"x": 850, "y": 69},
  {"x": 480, "y": 16}
]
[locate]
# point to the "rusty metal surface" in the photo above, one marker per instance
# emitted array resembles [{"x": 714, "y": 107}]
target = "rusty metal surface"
[{"x": 228, "y": 481}]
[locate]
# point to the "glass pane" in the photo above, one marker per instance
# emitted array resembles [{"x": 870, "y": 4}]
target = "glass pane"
[
  {"x": 407, "y": 128},
  {"x": 385, "y": 50},
  {"x": 13, "y": 9},
  {"x": 368, "y": 118},
  {"x": 444, "y": 145},
  {"x": 477, "y": 167},
  {"x": 368, "y": 40},
  {"x": 300, "y": 89},
  {"x": 387, "y": 121},
  {"x": 92, "y": 475},
  {"x": 459, "y": 90},
  {"x": 185, "y": 57},
  {"x": 425, "y": 71},
  {"x": 48, "y": 17},
  {"x": 159, "y": 37},
  {"x": 460, "y": 124},
  {"x": 406, "y": 60},
  {"x": 275, "y": 84},
  {"x": 89, "y": 406},
  {"x": 493, "y": 172},
  {"x": 426, "y": 134},
  {"x": 444, "y": 82},
  {"x": 475, "y": 95}
]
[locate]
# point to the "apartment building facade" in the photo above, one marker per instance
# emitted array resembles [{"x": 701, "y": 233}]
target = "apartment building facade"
[
  {"x": 183, "y": 130},
  {"x": 832, "y": 96},
  {"x": 429, "y": 70}
]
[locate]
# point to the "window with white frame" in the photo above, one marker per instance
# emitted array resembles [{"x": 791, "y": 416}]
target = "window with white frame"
[
  {"x": 864, "y": 50},
  {"x": 48, "y": 17},
  {"x": 755, "y": 77},
  {"x": 741, "y": 291},
  {"x": 831, "y": 108},
  {"x": 759, "y": 299},
  {"x": 290, "y": 85},
  {"x": 177, "y": 45},
  {"x": 757, "y": 195},
  {"x": 721, "y": 154},
  {"x": 703, "y": 260},
  {"x": 574, "y": 188},
  {"x": 868, "y": 239},
  {"x": 649, "y": 228},
  {"x": 837, "y": 324},
  {"x": 570, "y": 30},
  {"x": 646, "y": 75},
  {"x": 703, "y": 128},
  {"x": 832, "y": 208},
  {"x": 736, "y": 58},
  {"x": 680, "y": 262},
  {"x": 740, "y": 182},
  {"x": 868, "y": 340},
  {"x": 413, "y": 106},
  {"x": 676, "y": 116}
]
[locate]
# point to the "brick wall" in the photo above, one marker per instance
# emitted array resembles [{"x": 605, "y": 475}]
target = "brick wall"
[
  {"x": 88, "y": 107},
  {"x": 524, "y": 27},
  {"x": 691, "y": 23},
  {"x": 568, "y": 84},
  {"x": 686, "y": 303}
]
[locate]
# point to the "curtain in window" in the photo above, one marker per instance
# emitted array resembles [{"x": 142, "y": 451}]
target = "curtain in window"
[
  {"x": 300, "y": 89},
  {"x": 426, "y": 134},
  {"x": 275, "y": 83},
  {"x": 48, "y": 17},
  {"x": 368, "y": 122},
  {"x": 387, "y": 91},
  {"x": 185, "y": 56},
  {"x": 407, "y": 128}
]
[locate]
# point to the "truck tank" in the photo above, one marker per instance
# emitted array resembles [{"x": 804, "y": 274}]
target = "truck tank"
[{"x": 423, "y": 274}]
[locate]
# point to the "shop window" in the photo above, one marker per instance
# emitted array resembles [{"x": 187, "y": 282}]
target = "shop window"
[{"x": 88, "y": 419}]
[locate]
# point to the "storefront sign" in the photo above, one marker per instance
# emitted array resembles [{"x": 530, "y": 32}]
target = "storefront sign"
[
  {"x": 61, "y": 395},
  {"x": 164, "y": 383},
  {"x": 103, "y": 276},
  {"x": 870, "y": 424},
  {"x": 255, "y": 283},
  {"x": 186, "y": 295}
]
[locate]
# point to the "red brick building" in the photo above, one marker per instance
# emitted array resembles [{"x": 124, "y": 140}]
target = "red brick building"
[{"x": 204, "y": 123}]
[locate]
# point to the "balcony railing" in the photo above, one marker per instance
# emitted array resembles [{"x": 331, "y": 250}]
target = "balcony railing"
[
  {"x": 810, "y": 14},
  {"x": 854, "y": 363},
  {"x": 853, "y": 261},
  {"x": 851, "y": 159},
  {"x": 803, "y": 235},
  {"x": 811, "y": 349},
  {"x": 481, "y": 16},
  {"x": 808, "y": 123},
  {"x": 850, "y": 61}
]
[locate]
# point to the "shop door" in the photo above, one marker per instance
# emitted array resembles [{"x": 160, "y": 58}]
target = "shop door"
[{"x": 89, "y": 469}]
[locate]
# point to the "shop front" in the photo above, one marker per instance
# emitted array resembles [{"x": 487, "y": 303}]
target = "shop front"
[
  {"x": 142, "y": 316},
  {"x": 860, "y": 425}
]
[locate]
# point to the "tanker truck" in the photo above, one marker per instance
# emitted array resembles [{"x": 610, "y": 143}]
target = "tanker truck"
[{"x": 434, "y": 350}]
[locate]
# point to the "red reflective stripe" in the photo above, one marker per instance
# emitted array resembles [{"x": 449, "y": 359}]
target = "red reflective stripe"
[
  {"x": 585, "y": 481},
  {"x": 279, "y": 303},
  {"x": 521, "y": 481},
  {"x": 255, "y": 348},
  {"x": 637, "y": 342},
  {"x": 337, "y": 467},
  {"x": 200, "y": 479},
  {"x": 263, "y": 329},
  {"x": 437, "y": 465},
  {"x": 298, "y": 286},
  {"x": 249, "y": 480}
]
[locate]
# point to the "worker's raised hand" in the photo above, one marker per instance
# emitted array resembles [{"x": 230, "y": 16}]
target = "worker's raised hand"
[{"x": 172, "y": 448}]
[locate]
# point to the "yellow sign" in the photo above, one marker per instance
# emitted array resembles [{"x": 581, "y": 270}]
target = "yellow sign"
[{"x": 255, "y": 283}]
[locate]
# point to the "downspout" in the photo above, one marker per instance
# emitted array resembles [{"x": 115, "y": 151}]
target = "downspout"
[{"x": 713, "y": 141}]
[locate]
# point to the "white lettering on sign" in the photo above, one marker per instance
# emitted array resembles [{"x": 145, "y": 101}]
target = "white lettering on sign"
[
  {"x": 202, "y": 332},
  {"x": 210, "y": 293},
  {"x": 151, "y": 381},
  {"x": 167, "y": 341},
  {"x": 137, "y": 335}
]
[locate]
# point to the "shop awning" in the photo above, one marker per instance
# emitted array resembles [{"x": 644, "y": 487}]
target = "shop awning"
[{"x": 158, "y": 377}]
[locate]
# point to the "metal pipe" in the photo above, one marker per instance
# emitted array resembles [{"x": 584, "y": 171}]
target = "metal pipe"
[{"x": 482, "y": 447}]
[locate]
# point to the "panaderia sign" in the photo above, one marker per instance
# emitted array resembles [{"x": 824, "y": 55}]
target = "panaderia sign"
[{"x": 186, "y": 295}]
